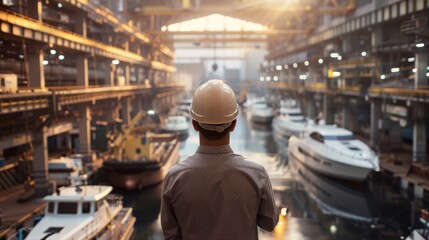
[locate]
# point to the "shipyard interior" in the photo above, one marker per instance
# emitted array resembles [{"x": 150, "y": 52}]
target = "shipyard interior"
[{"x": 95, "y": 98}]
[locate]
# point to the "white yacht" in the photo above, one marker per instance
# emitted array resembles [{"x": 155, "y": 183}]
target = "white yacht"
[
  {"x": 85, "y": 212},
  {"x": 176, "y": 124},
  {"x": 185, "y": 105},
  {"x": 290, "y": 120},
  {"x": 261, "y": 112},
  {"x": 334, "y": 152}
]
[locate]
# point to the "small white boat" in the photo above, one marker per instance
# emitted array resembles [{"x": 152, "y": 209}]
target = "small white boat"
[
  {"x": 261, "y": 112},
  {"x": 85, "y": 212},
  {"x": 185, "y": 105},
  {"x": 65, "y": 171},
  {"x": 334, "y": 152},
  {"x": 290, "y": 121},
  {"x": 176, "y": 124}
]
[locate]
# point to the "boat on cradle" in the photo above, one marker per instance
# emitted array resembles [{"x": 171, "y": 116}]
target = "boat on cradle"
[
  {"x": 84, "y": 212},
  {"x": 333, "y": 151},
  {"x": 332, "y": 197},
  {"x": 138, "y": 157},
  {"x": 178, "y": 125},
  {"x": 144, "y": 161},
  {"x": 290, "y": 120},
  {"x": 261, "y": 112}
]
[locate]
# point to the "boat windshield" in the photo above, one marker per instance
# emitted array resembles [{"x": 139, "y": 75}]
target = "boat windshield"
[
  {"x": 339, "y": 138},
  {"x": 67, "y": 208}
]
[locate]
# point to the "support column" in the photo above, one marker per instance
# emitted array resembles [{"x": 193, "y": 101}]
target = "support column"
[
  {"x": 82, "y": 70},
  {"x": 310, "y": 108},
  {"x": 35, "y": 66},
  {"x": 354, "y": 123},
  {"x": 419, "y": 133},
  {"x": 375, "y": 122},
  {"x": 139, "y": 76},
  {"x": 148, "y": 76},
  {"x": 80, "y": 23},
  {"x": 376, "y": 41},
  {"x": 127, "y": 74},
  {"x": 40, "y": 161},
  {"x": 81, "y": 58},
  {"x": 84, "y": 126},
  {"x": 328, "y": 114},
  {"x": 35, "y": 9},
  {"x": 421, "y": 62},
  {"x": 126, "y": 110},
  {"x": 345, "y": 120},
  {"x": 109, "y": 74}
]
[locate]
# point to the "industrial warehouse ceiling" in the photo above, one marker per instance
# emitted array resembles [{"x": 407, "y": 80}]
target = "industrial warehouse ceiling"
[{"x": 283, "y": 18}]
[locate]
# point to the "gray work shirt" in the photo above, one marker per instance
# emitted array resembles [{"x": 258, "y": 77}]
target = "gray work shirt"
[{"x": 216, "y": 194}]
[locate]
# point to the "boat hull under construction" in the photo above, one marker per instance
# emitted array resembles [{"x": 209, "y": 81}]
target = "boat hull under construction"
[{"x": 137, "y": 174}]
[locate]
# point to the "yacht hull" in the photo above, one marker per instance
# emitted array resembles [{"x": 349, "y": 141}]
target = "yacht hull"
[
  {"x": 283, "y": 130},
  {"x": 262, "y": 119},
  {"x": 326, "y": 166}
]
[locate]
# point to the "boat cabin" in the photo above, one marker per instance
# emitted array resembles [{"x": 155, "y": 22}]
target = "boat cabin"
[{"x": 77, "y": 200}]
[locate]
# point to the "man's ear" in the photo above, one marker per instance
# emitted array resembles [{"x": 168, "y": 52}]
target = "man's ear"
[
  {"x": 195, "y": 125},
  {"x": 233, "y": 124}
]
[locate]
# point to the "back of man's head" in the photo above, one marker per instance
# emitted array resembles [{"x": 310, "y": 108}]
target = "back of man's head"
[{"x": 214, "y": 108}]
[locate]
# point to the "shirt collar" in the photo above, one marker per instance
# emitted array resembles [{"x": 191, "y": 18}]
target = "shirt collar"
[{"x": 214, "y": 149}]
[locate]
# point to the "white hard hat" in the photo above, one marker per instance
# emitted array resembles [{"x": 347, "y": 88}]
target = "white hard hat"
[{"x": 214, "y": 103}]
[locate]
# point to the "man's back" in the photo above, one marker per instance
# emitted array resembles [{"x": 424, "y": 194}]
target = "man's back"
[{"x": 216, "y": 194}]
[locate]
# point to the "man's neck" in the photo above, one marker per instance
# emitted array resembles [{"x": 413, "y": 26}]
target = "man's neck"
[{"x": 218, "y": 142}]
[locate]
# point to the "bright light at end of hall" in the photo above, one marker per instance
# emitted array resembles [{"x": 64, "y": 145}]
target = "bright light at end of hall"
[
  {"x": 306, "y": 63},
  {"x": 336, "y": 74},
  {"x": 151, "y": 112},
  {"x": 275, "y": 78},
  {"x": 383, "y": 77},
  {"x": 411, "y": 59},
  {"x": 320, "y": 61},
  {"x": 45, "y": 62},
  {"x": 420, "y": 45},
  {"x": 115, "y": 62},
  {"x": 279, "y": 67},
  {"x": 53, "y": 52},
  {"x": 363, "y": 54}
]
